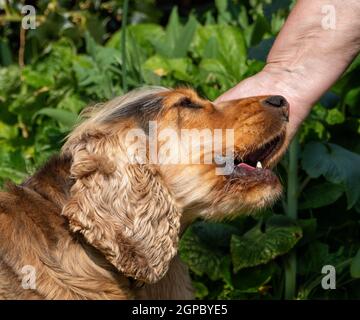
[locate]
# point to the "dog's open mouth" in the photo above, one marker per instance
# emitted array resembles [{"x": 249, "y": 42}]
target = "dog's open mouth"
[{"x": 258, "y": 160}]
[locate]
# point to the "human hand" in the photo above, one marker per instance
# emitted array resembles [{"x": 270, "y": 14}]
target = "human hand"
[{"x": 306, "y": 58}]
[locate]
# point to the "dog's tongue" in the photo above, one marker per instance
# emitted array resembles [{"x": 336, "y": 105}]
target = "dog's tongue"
[{"x": 246, "y": 166}]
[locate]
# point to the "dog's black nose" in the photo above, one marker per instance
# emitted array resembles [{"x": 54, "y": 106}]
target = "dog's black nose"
[{"x": 276, "y": 101}]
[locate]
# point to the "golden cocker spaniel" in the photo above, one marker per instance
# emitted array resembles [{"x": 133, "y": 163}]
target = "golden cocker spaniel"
[{"x": 102, "y": 220}]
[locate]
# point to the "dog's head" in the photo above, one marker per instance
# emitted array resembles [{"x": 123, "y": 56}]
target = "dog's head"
[{"x": 146, "y": 162}]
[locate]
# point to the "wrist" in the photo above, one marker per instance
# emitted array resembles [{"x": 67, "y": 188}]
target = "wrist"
[{"x": 300, "y": 91}]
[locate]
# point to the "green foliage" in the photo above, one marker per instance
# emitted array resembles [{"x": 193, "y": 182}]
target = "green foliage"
[
  {"x": 336, "y": 164},
  {"x": 79, "y": 63},
  {"x": 256, "y": 247}
]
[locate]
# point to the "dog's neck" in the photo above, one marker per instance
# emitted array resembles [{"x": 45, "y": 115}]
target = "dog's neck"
[{"x": 52, "y": 181}]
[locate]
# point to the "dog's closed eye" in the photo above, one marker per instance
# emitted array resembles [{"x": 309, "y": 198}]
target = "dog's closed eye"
[{"x": 187, "y": 103}]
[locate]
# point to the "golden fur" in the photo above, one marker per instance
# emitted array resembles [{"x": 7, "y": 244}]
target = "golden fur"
[{"x": 95, "y": 225}]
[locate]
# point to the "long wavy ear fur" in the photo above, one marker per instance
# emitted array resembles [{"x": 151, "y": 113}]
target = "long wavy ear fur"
[{"x": 122, "y": 209}]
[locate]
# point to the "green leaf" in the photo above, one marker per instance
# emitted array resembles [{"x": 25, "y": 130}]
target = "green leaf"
[
  {"x": 334, "y": 116},
  {"x": 216, "y": 235},
  {"x": 7, "y": 132},
  {"x": 12, "y": 163},
  {"x": 231, "y": 48},
  {"x": 9, "y": 81},
  {"x": 201, "y": 291},
  {"x": 72, "y": 102},
  {"x": 312, "y": 129},
  {"x": 260, "y": 28},
  {"x": 336, "y": 164},
  {"x": 183, "y": 42},
  {"x": 177, "y": 67},
  {"x": 317, "y": 255},
  {"x": 5, "y": 53},
  {"x": 202, "y": 249},
  {"x": 36, "y": 79},
  {"x": 173, "y": 28},
  {"x": 177, "y": 39},
  {"x": 221, "y": 5},
  {"x": 321, "y": 195},
  {"x": 355, "y": 266},
  {"x": 352, "y": 97},
  {"x": 66, "y": 118},
  {"x": 251, "y": 279},
  {"x": 257, "y": 247},
  {"x": 309, "y": 227},
  {"x": 224, "y": 16}
]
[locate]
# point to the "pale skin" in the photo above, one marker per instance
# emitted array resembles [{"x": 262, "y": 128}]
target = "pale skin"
[{"x": 306, "y": 58}]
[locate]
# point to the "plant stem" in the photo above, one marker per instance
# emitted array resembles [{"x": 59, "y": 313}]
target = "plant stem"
[
  {"x": 292, "y": 197},
  {"x": 123, "y": 44}
]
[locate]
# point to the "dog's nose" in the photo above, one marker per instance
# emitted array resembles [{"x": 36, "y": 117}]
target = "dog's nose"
[{"x": 278, "y": 102}]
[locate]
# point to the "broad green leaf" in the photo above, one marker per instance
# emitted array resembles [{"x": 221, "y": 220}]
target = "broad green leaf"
[
  {"x": 158, "y": 64},
  {"x": 66, "y": 118},
  {"x": 317, "y": 255},
  {"x": 252, "y": 279},
  {"x": 231, "y": 48},
  {"x": 201, "y": 250},
  {"x": 321, "y": 195},
  {"x": 336, "y": 164},
  {"x": 211, "y": 49},
  {"x": 177, "y": 39},
  {"x": 144, "y": 34},
  {"x": 355, "y": 266},
  {"x": 185, "y": 37},
  {"x": 217, "y": 235},
  {"x": 257, "y": 247},
  {"x": 161, "y": 66},
  {"x": 173, "y": 27}
]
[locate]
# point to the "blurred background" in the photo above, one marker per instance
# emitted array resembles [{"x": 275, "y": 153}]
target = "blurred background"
[{"x": 82, "y": 52}]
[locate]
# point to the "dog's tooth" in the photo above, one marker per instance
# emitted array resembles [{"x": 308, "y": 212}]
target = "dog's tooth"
[{"x": 259, "y": 165}]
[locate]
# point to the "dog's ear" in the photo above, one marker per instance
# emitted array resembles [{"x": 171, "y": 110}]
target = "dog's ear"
[{"x": 122, "y": 209}]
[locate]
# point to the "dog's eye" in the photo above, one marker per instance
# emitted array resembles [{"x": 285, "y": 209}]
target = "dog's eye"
[{"x": 187, "y": 103}]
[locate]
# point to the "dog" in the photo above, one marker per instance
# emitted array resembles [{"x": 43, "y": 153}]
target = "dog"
[{"x": 100, "y": 222}]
